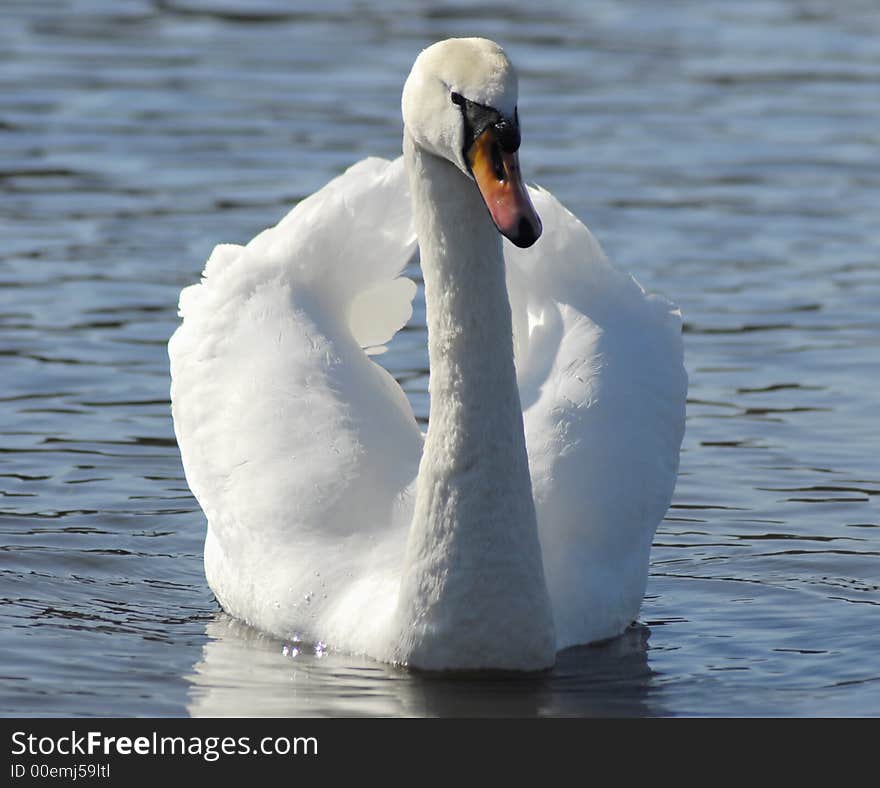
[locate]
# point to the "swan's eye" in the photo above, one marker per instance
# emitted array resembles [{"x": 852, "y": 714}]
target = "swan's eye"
[
  {"x": 503, "y": 132},
  {"x": 508, "y": 135}
]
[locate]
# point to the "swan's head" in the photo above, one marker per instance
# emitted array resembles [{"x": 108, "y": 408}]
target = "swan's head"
[{"x": 459, "y": 103}]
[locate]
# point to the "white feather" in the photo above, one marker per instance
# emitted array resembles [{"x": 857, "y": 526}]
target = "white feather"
[{"x": 305, "y": 455}]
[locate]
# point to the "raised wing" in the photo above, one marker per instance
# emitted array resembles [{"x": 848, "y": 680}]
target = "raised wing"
[
  {"x": 297, "y": 445},
  {"x": 603, "y": 386}
]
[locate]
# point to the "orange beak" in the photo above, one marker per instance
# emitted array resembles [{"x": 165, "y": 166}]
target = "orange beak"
[{"x": 500, "y": 182}]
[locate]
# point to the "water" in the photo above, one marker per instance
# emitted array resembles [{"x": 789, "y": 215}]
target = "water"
[{"x": 726, "y": 153}]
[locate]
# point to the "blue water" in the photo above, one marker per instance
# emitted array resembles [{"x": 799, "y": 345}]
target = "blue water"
[{"x": 725, "y": 153}]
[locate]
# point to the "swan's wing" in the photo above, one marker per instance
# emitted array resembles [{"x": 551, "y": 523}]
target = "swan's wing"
[
  {"x": 602, "y": 381},
  {"x": 295, "y": 443}
]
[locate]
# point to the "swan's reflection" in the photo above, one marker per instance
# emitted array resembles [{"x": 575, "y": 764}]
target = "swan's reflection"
[{"x": 245, "y": 673}]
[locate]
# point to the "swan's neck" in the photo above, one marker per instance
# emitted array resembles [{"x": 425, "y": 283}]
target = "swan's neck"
[
  {"x": 476, "y": 418},
  {"x": 473, "y": 592}
]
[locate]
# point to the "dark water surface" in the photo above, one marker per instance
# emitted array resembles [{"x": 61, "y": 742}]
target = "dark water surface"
[{"x": 725, "y": 153}]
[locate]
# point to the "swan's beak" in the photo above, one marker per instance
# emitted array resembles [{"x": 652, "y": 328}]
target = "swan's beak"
[{"x": 498, "y": 177}]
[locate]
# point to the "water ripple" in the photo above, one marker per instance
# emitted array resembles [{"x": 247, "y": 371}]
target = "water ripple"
[{"x": 724, "y": 154}]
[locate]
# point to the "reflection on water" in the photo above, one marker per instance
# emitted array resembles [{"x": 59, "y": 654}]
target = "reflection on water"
[
  {"x": 245, "y": 673},
  {"x": 725, "y": 153}
]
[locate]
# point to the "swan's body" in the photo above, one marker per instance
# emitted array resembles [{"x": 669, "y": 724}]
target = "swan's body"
[{"x": 523, "y": 523}]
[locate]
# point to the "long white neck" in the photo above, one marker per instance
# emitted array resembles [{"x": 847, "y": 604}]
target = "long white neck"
[{"x": 473, "y": 593}]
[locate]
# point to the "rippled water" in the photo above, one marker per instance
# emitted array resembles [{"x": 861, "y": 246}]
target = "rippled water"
[{"x": 725, "y": 153}]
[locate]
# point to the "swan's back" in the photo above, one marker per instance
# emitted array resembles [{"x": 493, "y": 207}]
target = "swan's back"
[{"x": 302, "y": 451}]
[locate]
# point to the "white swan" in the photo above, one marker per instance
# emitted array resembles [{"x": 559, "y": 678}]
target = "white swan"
[{"x": 522, "y": 523}]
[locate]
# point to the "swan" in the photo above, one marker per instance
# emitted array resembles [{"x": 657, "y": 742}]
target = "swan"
[{"x": 522, "y": 522}]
